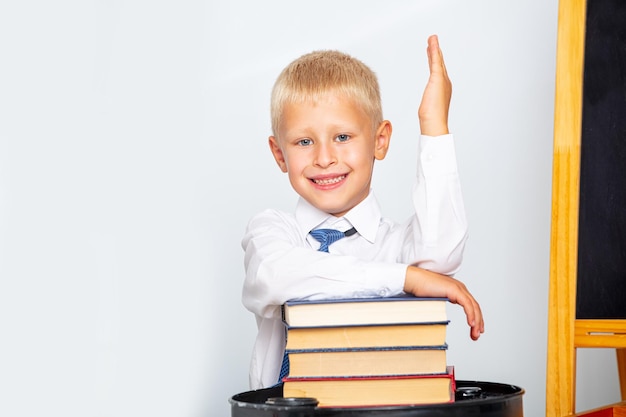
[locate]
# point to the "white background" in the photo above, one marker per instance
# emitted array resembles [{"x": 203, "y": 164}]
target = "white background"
[{"x": 133, "y": 151}]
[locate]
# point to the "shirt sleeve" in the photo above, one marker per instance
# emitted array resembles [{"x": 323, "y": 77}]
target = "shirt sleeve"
[
  {"x": 280, "y": 265},
  {"x": 436, "y": 234}
]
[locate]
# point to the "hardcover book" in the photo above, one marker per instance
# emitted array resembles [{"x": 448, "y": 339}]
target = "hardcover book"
[
  {"x": 374, "y": 391},
  {"x": 378, "y": 335},
  {"x": 364, "y": 311},
  {"x": 352, "y": 362}
]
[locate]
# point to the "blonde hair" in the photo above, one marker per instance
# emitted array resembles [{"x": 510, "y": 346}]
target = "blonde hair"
[{"x": 318, "y": 73}]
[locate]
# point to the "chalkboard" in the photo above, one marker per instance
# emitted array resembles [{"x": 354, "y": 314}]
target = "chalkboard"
[
  {"x": 601, "y": 279},
  {"x": 587, "y": 293}
]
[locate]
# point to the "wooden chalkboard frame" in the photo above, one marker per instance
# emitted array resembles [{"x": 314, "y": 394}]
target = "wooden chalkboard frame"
[{"x": 565, "y": 332}]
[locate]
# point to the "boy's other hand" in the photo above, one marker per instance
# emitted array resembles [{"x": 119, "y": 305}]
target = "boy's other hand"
[
  {"x": 423, "y": 283},
  {"x": 433, "y": 110}
]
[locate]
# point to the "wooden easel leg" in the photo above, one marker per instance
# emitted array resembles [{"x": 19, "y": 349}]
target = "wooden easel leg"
[
  {"x": 621, "y": 369},
  {"x": 561, "y": 376}
]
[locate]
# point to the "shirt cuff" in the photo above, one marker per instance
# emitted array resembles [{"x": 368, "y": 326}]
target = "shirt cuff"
[{"x": 437, "y": 155}]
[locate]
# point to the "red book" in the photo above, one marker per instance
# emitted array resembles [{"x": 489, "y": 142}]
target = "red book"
[{"x": 375, "y": 390}]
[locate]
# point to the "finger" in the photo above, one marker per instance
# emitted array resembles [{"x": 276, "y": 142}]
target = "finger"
[
  {"x": 435, "y": 57},
  {"x": 443, "y": 63},
  {"x": 479, "y": 326},
  {"x": 475, "y": 332},
  {"x": 474, "y": 316},
  {"x": 430, "y": 58}
]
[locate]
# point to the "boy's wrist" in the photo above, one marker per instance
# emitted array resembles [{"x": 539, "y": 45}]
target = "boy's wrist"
[
  {"x": 434, "y": 129},
  {"x": 411, "y": 280}
]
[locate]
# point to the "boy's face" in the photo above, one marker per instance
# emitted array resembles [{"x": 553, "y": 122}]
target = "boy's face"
[{"x": 328, "y": 149}]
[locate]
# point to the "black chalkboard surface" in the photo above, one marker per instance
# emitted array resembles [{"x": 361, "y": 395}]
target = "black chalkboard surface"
[{"x": 601, "y": 280}]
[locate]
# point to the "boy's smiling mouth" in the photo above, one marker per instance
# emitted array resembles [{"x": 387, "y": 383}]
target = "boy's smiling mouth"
[{"x": 328, "y": 181}]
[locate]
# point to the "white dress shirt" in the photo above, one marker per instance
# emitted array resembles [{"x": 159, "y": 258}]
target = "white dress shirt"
[{"x": 282, "y": 261}]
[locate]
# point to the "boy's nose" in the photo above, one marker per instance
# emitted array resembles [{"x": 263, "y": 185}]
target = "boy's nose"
[{"x": 325, "y": 156}]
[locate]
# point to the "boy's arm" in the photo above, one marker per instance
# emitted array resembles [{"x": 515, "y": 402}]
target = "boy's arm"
[
  {"x": 433, "y": 116},
  {"x": 439, "y": 229},
  {"x": 281, "y": 266},
  {"x": 421, "y": 282}
]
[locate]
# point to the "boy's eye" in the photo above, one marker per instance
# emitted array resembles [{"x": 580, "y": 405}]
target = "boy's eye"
[
  {"x": 305, "y": 142},
  {"x": 342, "y": 138}
]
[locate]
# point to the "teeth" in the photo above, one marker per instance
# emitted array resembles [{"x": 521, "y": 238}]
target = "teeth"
[{"x": 328, "y": 181}]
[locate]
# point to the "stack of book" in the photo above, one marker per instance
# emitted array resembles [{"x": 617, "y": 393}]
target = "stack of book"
[{"x": 369, "y": 351}]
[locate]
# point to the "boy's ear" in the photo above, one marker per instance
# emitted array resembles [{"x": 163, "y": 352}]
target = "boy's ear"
[
  {"x": 278, "y": 153},
  {"x": 383, "y": 137}
]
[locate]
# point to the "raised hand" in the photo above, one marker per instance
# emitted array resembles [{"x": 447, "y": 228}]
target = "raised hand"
[{"x": 433, "y": 110}]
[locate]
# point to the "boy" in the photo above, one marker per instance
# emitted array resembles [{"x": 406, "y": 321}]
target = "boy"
[{"x": 328, "y": 130}]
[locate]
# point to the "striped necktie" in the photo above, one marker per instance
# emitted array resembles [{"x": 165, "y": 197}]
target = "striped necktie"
[{"x": 326, "y": 237}]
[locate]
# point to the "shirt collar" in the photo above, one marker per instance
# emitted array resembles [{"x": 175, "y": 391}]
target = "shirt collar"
[{"x": 364, "y": 217}]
